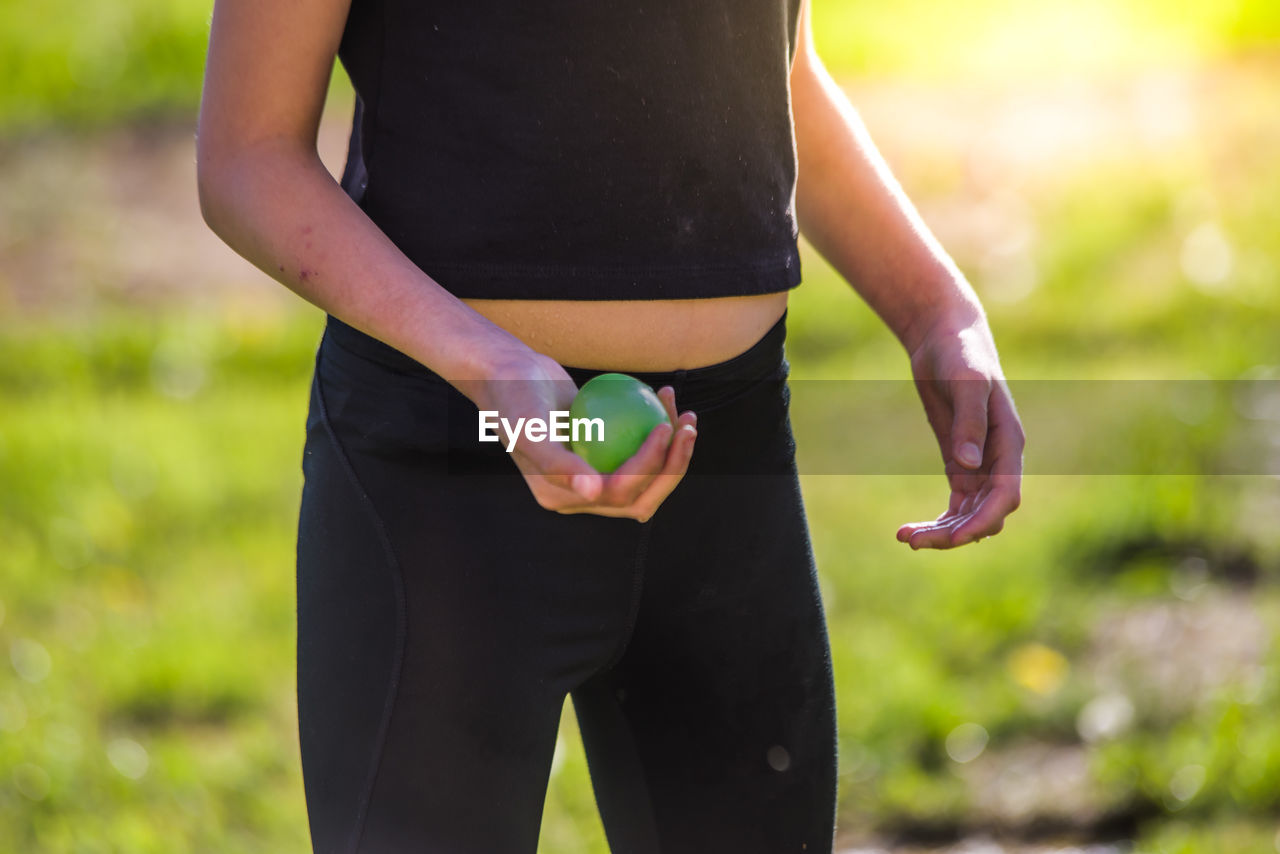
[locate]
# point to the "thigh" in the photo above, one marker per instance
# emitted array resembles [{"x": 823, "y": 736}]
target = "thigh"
[
  {"x": 348, "y": 643},
  {"x": 716, "y": 729},
  {"x": 441, "y": 619}
]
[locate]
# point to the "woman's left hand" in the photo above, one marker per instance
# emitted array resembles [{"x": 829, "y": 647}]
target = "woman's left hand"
[{"x": 968, "y": 404}]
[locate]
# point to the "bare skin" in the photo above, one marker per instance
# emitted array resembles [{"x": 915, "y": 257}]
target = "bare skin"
[
  {"x": 264, "y": 191},
  {"x": 637, "y": 335},
  {"x": 856, "y": 215}
]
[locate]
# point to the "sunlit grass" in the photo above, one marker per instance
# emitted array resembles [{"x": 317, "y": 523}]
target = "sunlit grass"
[
  {"x": 1103, "y": 176},
  {"x": 67, "y": 63},
  {"x": 1046, "y": 38},
  {"x": 149, "y": 554}
]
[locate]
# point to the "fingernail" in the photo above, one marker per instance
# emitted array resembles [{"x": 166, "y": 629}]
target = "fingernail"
[{"x": 970, "y": 454}]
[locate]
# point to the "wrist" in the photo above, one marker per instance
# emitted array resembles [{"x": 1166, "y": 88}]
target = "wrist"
[
  {"x": 954, "y": 306},
  {"x": 489, "y": 359},
  {"x": 462, "y": 346},
  {"x": 493, "y": 361}
]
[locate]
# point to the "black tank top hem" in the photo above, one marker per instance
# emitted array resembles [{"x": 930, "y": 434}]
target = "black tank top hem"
[{"x": 599, "y": 282}]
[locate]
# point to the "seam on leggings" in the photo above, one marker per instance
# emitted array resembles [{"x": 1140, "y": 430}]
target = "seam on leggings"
[
  {"x": 637, "y": 583},
  {"x": 397, "y": 580}
]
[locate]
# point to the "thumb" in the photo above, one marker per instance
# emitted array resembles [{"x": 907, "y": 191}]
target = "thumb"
[{"x": 969, "y": 429}]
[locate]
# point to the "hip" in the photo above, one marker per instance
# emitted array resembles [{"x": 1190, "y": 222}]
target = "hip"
[{"x": 381, "y": 401}]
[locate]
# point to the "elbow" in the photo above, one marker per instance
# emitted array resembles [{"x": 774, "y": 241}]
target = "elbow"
[
  {"x": 218, "y": 160},
  {"x": 209, "y": 181},
  {"x": 207, "y": 193},
  {"x": 230, "y": 177},
  {"x": 207, "y": 207}
]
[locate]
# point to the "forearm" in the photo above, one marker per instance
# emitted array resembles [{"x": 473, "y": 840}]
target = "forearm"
[
  {"x": 276, "y": 205},
  {"x": 854, "y": 212}
]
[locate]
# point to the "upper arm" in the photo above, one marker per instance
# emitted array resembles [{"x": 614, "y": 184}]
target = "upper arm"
[
  {"x": 806, "y": 59},
  {"x": 267, "y": 72}
]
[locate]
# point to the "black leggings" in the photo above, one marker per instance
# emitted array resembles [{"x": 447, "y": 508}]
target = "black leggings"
[{"x": 443, "y": 616}]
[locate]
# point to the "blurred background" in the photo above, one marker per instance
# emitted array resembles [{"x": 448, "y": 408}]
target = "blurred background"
[{"x": 1101, "y": 677}]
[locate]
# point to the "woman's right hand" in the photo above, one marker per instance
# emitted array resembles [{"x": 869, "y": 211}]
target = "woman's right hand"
[{"x": 527, "y": 384}]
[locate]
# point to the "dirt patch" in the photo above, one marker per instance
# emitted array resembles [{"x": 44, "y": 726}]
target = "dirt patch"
[
  {"x": 988, "y": 845},
  {"x": 114, "y": 217},
  {"x": 1169, "y": 656}
]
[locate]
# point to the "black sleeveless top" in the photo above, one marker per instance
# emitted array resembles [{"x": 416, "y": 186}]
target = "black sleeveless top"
[{"x": 578, "y": 149}]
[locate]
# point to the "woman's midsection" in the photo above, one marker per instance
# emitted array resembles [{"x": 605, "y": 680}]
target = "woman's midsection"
[{"x": 637, "y": 335}]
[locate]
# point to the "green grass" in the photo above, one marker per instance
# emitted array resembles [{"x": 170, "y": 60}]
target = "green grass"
[
  {"x": 148, "y": 552},
  {"x": 71, "y": 62},
  {"x": 151, "y": 466},
  {"x": 936, "y": 40},
  {"x": 150, "y": 474},
  {"x": 73, "y": 65}
]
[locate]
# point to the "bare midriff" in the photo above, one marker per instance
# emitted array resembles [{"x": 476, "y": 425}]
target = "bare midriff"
[{"x": 638, "y": 335}]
